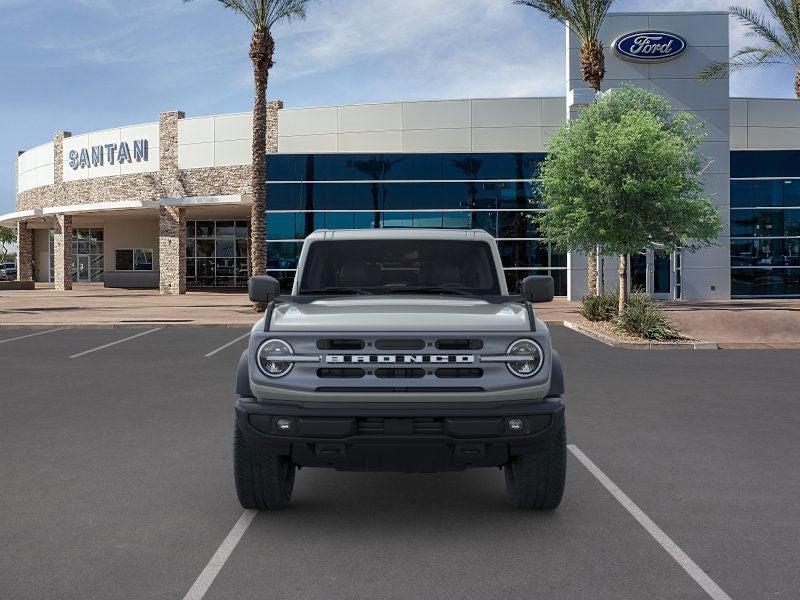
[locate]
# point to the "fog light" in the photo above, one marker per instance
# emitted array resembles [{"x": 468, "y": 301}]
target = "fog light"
[
  {"x": 516, "y": 424},
  {"x": 284, "y": 425}
]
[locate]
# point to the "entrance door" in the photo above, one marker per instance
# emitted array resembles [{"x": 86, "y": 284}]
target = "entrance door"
[
  {"x": 662, "y": 271},
  {"x": 638, "y": 269},
  {"x": 83, "y": 268}
]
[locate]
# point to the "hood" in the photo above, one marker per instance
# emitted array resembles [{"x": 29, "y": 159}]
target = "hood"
[{"x": 394, "y": 313}]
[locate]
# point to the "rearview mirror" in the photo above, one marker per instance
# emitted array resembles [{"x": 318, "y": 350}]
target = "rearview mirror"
[
  {"x": 263, "y": 288},
  {"x": 537, "y": 288}
]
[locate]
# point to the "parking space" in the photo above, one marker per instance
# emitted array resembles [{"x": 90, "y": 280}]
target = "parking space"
[{"x": 117, "y": 483}]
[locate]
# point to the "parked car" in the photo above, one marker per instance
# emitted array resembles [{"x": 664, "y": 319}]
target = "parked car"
[{"x": 8, "y": 271}]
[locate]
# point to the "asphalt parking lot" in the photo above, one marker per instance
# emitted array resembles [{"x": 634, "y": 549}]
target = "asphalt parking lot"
[{"x": 116, "y": 482}]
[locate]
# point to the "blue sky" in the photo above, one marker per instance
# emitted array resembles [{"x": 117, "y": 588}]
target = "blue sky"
[{"x": 84, "y": 65}]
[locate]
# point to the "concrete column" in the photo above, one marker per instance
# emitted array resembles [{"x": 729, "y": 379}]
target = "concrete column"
[
  {"x": 62, "y": 250},
  {"x": 24, "y": 252},
  {"x": 172, "y": 250}
]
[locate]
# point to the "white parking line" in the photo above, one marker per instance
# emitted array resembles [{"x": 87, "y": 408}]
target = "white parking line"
[
  {"x": 214, "y": 566},
  {"x": 22, "y": 337},
  {"x": 115, "y": 343},
  {"x": 231, "y": 343},
  {"x": 688, "y": 565}
]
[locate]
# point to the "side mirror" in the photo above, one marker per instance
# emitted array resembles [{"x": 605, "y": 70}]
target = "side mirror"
[
  {"x": 263, "y": 288},
  {"x": 537, "y": 288}
]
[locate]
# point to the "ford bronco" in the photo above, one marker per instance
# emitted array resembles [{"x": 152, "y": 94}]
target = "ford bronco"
[{"x": 400, "y": 350}]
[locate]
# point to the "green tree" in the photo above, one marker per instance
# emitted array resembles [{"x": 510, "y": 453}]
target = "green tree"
[
  {"x": 627, "y": 174},
  {"x": 7, "y": 236},
  {"x": 778, "y": 36},
  {"x": 584, "y": 19},
  {"x": 263, "y": 15}
]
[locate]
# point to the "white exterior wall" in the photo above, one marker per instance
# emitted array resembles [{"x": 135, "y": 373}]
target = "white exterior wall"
[
  {"x": 116, "y": 136},
  {"x": 765, "y": 124},
  {"x": 215, "y": 141},
  {"x": 483, "y": 125},
  {"x": 35, "y": 167},
  {"x": 706, "y": 275}
]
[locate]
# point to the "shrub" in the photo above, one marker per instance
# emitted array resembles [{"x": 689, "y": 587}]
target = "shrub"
[
  {"x": 601, "y": 307},
  {"x": 644, "y": 317}
]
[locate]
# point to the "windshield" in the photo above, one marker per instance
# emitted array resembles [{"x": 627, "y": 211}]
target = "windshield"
[{"x": 400, "y": 266}]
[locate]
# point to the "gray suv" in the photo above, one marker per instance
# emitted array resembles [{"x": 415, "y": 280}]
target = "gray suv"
[{"x": 400, "y": 350}]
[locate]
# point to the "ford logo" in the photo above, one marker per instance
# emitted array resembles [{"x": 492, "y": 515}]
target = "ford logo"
[{"x": 649, "y": 46}]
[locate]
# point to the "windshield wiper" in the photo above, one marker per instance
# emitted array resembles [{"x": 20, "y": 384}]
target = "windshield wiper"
[
  {"x": 431, "y": 290},
  {"x": 336, "y": 290}
]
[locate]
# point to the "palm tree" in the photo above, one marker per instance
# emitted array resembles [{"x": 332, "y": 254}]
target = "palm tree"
[
  {"x": 779, "y": 36},
  {"x": 584, "y": 19},
  {"x": 263, "y": 15}
]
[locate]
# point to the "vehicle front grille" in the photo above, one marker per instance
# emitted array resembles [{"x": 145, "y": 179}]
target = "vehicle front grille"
[
  {"x": 340, "y": 344},
  {"x": 346, "y": 373},
  {"x": 400, "y": 344},
  {"x": 459, "y": 373},
  {"x": 399, "y": 373}
]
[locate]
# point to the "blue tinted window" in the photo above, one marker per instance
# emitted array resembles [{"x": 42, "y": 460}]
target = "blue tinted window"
[
  {"x": 742, "y": 223},
  {"x": 486, "y": 220},
  {"x": 525, "y": 253},
  {"x": 426, "y": 166},
  {"x": 366, "y": 220},
  {"x": 397, "y": 219},
  {"x": 426, "y": 195},
  {"x": 791, "y": 222},
  {"x": 367, "y": 196},
  {"x": 765, "y": 282},
  {"x": 397, "y": 196},
  {"x": 741, "y": 194},
  {"x": 457, "y": 220},
  {"x": 312, "y": 196},
  {"x": 483, "y": 195},
  {"x": 514, "y": 195},
  {"x": 742, "y": 164},
  {"x": 338, "y": 220},
  {"x": 282, "y": 167},
  {"x": 283, "y": 255},
  {"x": 281, "y": 226},
  {"x": 791, "y": 192},
  {"x": 428, "y": 219},
  {"x": 768, "y": 193},
  {"x": 339, "y": 196},
  {"x": 456, "y": 195},
  {"x": 283, "y": 196},
  {"x": 768, "y": 163}
]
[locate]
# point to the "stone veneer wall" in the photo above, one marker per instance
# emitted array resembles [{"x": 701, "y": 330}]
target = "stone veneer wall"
[
  {"x": 62, "y": 251},
  {"x": 24, "y": 252},
  {"x": 169, "y": 182}
]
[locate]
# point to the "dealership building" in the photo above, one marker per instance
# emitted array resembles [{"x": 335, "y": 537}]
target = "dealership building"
[{"x": 167, "y": 204}]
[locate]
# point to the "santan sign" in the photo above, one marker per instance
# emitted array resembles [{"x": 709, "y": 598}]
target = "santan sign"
[
  {"x": 649, "y": 46},
  {"x": 97, "y": 156}
]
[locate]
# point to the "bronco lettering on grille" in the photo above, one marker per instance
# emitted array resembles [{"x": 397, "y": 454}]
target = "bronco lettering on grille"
[{"x": 392, "y": 359}]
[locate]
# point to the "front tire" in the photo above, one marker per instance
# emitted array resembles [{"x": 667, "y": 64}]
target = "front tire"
[
  {"x": 263, "y": 481},
  {"x": 536, "y": 481}
]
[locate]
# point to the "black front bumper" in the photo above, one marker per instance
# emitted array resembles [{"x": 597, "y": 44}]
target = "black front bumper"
[{"x": 399, "y": 437}]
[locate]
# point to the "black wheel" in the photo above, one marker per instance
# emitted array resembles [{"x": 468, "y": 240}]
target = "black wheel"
[
  {"x": 536, "y": 481},
  {"x": 263, "y": 481}
]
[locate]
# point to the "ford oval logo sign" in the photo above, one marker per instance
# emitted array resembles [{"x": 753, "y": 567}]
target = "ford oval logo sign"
[{"x": 649, "y": 46}]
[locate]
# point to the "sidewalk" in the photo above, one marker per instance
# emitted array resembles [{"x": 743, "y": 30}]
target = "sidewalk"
[
  {"x": 732, "y": 324},
  {"x": 90, "y": 305}
]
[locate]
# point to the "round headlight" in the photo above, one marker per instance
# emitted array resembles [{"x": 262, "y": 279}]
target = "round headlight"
[
  {"x": 269, "y": 366},
  {"x": 534, "y": 358}
]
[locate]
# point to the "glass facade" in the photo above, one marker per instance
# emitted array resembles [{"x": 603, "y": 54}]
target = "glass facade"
[
  {"x": 217, "y": 253},
  {"x": 765, "y": 223},
  {"x": 495, "y": 192},
  {"x": 88, "y": 262}
]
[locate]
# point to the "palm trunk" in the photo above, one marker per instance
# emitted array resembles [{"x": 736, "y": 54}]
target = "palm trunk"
[
  {"x": 797, "y": 84},
  {"x": 593, "y": 70},
  {"x": 623, "y": 282},
  {"x": 261, "y": 52}
]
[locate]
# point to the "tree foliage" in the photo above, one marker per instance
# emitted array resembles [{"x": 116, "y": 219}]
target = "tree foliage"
[
  {"x": 626, "y": 175},
  {"x": 777, "y": 35},
  {"x": 8, "y": 236}
]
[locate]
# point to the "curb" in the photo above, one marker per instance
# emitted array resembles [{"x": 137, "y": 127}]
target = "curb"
[{"x": 639, "y": 345}]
